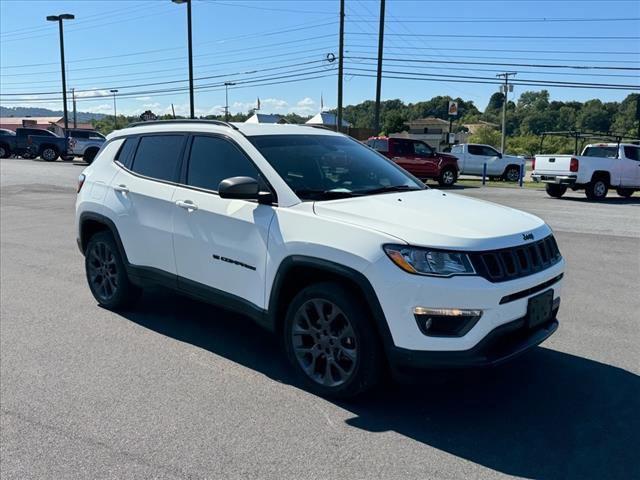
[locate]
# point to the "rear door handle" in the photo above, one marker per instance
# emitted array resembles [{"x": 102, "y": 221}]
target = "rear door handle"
[
  {"x": 121, "y": 188},
  {"x": 187, "y": 205}
]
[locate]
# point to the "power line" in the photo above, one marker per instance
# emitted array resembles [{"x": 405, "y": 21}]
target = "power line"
[
  {"x": 511, "y": 37},
  {"x": 313, "y": 12},
  {"x": 590, "y": 52},
  {"x": 508, "y": 20},
  {"x": 457, "y": 62},
  {"x": 489, "y": 80}
]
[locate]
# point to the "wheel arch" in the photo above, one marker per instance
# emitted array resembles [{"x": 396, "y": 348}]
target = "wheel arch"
[
  {"x": 603, "y": 174},
  {"x": 298, "y": 271},
  {"x": 91, "y": 223}
]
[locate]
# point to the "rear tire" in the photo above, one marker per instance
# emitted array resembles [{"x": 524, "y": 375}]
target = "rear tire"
[
  {"x": 89, "y": 155},
  {"x": 330, "y": 341},
  {"x": 511, "y": 174},
  {"x": 625, "y": 192},
  {"x": 107, "y": 275},
  {"x": 5, "y": 151},
  {"x": 597, "y": 189},
  {"x": 448, "y": 177},
  {"x": 49, "y": 154},
  {"x": 555, "y": 191}
]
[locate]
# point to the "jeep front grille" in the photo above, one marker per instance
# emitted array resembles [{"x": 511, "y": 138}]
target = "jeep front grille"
[{"x": 516, "y": 262}]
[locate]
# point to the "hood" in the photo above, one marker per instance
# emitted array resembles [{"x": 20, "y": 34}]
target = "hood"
[
  {"x": 438, "y": 219},
  {"x": 446, "y": 156}
]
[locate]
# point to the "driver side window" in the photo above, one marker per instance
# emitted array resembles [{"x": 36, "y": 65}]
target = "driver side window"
[
  {"x": 422, "y": 149},
  {"x": 490, "y": 152}
]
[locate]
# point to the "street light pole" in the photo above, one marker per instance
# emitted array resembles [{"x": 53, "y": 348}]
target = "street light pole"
[
  {"x": 226, "y": 103},
  {"x": 115, "y": 113},
  {"x": 190, "y": 45},
  {"x": 59, "y": 19}
]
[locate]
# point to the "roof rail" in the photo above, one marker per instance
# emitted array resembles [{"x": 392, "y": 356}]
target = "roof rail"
[{"x": 183, "y": 120}]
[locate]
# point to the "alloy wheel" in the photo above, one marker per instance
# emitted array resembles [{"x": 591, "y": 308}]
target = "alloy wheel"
[
  {"x": 599, "y": 189},
  {"x": 103, "y": 271},
  {"x": 324, "y": 342},
  {"x": 513, "y": 175},
  {"x": 448, "y": 177},
  {"x": 48, "y": 154}
]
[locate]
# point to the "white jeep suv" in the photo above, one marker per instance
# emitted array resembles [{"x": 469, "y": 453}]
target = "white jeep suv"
[{"x": 353, "y": 262}]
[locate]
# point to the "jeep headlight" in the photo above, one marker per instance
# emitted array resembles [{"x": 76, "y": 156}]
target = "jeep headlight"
[{"x": 425, "y": 261}]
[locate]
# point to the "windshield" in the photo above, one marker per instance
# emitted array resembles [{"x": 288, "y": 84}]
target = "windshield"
[{"x": 322, "y": 167}]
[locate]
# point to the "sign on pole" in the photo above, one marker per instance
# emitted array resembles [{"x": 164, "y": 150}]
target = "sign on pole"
[
  {"x": 453, "y": 108},
  {"x": 148, "y": 116}
]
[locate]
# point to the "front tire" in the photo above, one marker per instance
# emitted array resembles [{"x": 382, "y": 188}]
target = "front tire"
[
  {"x": 448, "y": 177},
  {"x": 5, "y": 152},
  {"x": 597, "y": 189},
  {"x": 49, "y": 154},
  {"x": 330, "y": 342},
  {"x": 555, "y": 191},
  {"x": 512, "y": 174},
  {"x": 625, "y": 192},
  {"x": 106, "y": 273}
]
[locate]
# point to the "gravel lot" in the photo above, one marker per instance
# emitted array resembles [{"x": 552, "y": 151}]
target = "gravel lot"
[{"x": 178, "y": 389}]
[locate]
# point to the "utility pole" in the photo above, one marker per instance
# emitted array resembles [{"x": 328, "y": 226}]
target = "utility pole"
[
  {"x": 340, "y": 67},
  {"x": 226, "y": 103},
  {"x": 191, "y": 107},
  {"x": 115, "y": 114},
  {"x": 59, "y": 19},
  {"x": 505, "y": 90},
  {"x": 75, "y": 119},
  {"x": 376, "y": 122}
]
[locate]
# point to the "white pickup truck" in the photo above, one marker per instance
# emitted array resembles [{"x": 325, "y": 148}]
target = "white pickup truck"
[
  {"x": 473, "y": 156},
  {"x": 600, "y": 167}
]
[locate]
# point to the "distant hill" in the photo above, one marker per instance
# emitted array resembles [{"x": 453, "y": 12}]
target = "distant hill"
[{"x": 45, "y": 112}]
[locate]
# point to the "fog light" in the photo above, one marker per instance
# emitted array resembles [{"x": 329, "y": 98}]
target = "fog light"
[{"x": 445, "y": 322}]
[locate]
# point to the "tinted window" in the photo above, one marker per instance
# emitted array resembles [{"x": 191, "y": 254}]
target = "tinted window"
[
  {"x": 214, "y": 159},
  {"x": 489, "y": 152},
  {"x": 125, "y": 154},
  {"x": 403, "y": 147},
  {"x": 320, "y": 167},
  {"x": 632, "y": 152},
  {"x": 158, "y": 156},
  {"x": 606, "y": 152},
  {"x": 474, "y": 150},
  {"x": 79, "y": 134}
]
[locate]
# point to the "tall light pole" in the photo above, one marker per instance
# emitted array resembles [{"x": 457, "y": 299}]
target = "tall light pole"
[
  {"x": 191, "y": 107},
  {"x": 59, "y": 19},
  {"x": 505, "y": 89},
  {"x": 340, "y": 67},
  {"x": 226, "y": 103},
  {"x": 115, "y": 113},
  {"x": 73, "y": 100}
]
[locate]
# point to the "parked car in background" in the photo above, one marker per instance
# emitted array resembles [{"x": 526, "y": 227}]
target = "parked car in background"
[
  {"x": 85, "y": 143},
  {"x": 34, "y": 142},
  {"x": 418, "y": 158},
  {"x": 600, "y": 167},
  {"x": 7, "y": 142},
  {"x": 473, "y": 156}
]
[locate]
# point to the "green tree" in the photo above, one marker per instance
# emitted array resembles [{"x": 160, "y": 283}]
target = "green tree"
[{"x": 487, "y": 136}]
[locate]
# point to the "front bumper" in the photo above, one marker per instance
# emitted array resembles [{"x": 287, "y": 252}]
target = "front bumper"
[
  {"x": 502, "y": 344},
  {"x": 557, "y": 179}
]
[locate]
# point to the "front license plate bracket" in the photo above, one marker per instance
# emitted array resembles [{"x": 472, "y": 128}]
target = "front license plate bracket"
[{"x": 540, "y": 309}]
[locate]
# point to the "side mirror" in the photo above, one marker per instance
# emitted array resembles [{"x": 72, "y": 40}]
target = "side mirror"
[
  {"x": 499, "y": 155},
  {"x": 244, "y": 188}
]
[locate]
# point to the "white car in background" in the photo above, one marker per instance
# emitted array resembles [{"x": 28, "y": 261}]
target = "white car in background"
[{"x": 473, "y": 156}]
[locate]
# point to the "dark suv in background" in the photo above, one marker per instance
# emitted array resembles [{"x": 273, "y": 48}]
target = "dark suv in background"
[{"x": 418, "y": 158}]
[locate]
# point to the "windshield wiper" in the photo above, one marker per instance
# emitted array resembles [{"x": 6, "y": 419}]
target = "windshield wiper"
[
  {"x": 325, "y": 194},
  {"x": 389, "y": 188}
]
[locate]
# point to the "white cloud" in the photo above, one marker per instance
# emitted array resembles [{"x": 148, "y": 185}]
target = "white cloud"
[
  {"x": 306, "y": 102},
  {"x": 93, "y": 93},
  {"x": 151, "y": 106},
  {"x": 143, "y": 99}
]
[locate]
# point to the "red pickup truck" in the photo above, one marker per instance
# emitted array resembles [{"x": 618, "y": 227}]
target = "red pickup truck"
[{"x": 418, "y": 158}]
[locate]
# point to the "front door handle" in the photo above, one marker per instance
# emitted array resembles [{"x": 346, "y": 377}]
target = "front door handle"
[
  {"x": 121, "y": 188},
  {"x": 187, "y": 205}
]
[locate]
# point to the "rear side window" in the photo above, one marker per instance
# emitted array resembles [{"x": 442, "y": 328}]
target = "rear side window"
[
  {"x": 632, "y": 152},
  {"x": 125, "y": 154},
  {"x": 213, "y": 159},
  {"x": 474, "y": 150},
  {"x": 158, "y": 157},
  {"x": 403, "y": 147}
]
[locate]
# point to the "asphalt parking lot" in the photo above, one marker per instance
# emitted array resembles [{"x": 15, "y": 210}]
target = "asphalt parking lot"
[{"x": 178, "y": 389}]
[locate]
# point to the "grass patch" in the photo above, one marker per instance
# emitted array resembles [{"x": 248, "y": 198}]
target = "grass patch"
[{"x": 500, "y": 184}]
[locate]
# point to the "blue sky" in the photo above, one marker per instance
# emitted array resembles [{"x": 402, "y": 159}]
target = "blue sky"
[{"x": 130, "y": 44}]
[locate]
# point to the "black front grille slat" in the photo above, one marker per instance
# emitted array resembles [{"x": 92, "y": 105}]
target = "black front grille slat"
[{"x": 516, "y": 262}]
